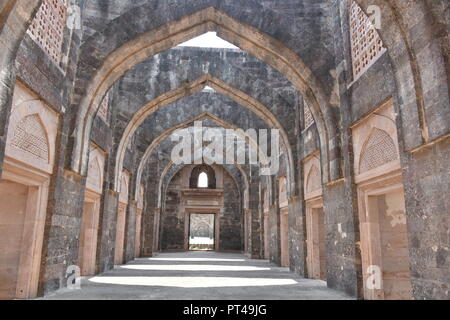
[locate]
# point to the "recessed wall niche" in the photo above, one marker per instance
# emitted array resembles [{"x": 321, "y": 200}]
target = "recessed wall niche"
[
  {"x": 381, "y": 205},
  {"x": 315, "y": 218},
  {"x": 27, "y": 170},
  {"x": 91, "y": 212}
]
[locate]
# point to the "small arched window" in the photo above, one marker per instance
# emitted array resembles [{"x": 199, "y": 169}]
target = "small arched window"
[
  {"x": 202, "y": 180},
  {"x": 202, "y": 176}
]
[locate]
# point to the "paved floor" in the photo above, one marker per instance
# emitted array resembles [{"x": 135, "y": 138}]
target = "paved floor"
[{"x": 199, "y": 276}]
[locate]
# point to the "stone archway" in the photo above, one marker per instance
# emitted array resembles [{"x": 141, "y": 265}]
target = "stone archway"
[
  {"x": 189, "y": 89},
  {"x": 210, "y": 19}
]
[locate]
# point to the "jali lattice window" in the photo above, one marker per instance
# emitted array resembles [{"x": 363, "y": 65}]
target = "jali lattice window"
[
  {"x": 378, "y": 150},
  {"x": 47, "y": 28},
  {"x": 103, "y": 109},
  {"x": 30, "y": 136},
  {"x": 367, "y": 45},
  {"x": 307, "y": 116}
]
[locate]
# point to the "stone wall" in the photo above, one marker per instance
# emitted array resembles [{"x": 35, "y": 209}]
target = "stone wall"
[{"x": 231, "y": 221}]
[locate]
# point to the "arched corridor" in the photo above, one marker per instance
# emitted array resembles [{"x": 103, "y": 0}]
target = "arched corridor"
[{"x": 302, "y": 141}]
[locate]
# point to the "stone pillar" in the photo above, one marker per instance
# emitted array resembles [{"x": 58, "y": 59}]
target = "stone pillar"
[
  {"x": 148, "y": 217},
  {"x": 107, "y": 227},
  {"x": 62, "y": 232},
  {"x": 255, "y": 233},
  {"x": 342, "y": 235},
  {"x": 130, "y": 231},
  {"x": 297, "y": 236},
  {"x": 247, "y": 232},
  {"x": 274, "y": 223},
  {"x": 428, "y": 218}
]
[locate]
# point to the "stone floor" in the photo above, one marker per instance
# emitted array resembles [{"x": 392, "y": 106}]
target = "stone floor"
[{"x": 199, "y": 276}]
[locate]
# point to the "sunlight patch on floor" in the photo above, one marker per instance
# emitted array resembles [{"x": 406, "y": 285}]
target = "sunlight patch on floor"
[
  {"x": 193, "y": 259},
  {"x": 192, "y": 268},
  {"x": 193, "y": 282}
]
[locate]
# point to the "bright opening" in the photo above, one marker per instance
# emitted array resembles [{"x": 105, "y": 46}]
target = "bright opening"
[
  {"x": 203, "y": 180},
  {"x": 208, "y": 40},
  {"x": 208, "y": 89}
]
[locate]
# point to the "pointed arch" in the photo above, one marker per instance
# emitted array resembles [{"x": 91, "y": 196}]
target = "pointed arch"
[
  {"x": 185, "y": 124},
  {"x": 313, "y": 182},
  {"x": 162, "y": 38},
  {"x": 94, "y": 177},
  {"x": 190, "y": 89}
]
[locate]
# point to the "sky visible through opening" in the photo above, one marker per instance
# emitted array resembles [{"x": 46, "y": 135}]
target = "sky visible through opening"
[
  {"x": 208, "y": 89},
  {"x": 208, "y": 40},
  {"x": 203, "y": 180}
]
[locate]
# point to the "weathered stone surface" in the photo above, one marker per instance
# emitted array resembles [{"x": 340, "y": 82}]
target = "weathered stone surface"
[{"x": 413, "y": 73}]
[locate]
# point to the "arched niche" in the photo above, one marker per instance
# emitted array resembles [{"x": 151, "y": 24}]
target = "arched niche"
[
  {"x": 87, "y": 255},
  {"x": 24, "y": 186},
  {"x": 375, "y": 144},
  {"x": 94, "y": 181},
  {"x": 312, "y": 176},
  {"x": 315, "y": 218},
  {"x": 197, "y": 173},
  {"x": 32, "y": 130},
  {"x": 383, "y": 225}
]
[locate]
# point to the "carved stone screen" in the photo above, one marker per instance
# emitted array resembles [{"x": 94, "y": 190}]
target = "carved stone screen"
[
  {"x": 30, "y": 137},
  {"x": 201, "y": 232},
  {"x": 308, "y": 117},
  {"x": 47, "y": 27},
  {"x": 378, "y": 150},
  {"x": 367, "y": 45}
]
